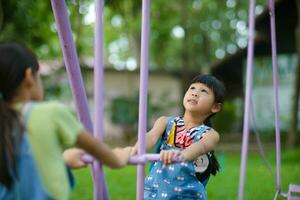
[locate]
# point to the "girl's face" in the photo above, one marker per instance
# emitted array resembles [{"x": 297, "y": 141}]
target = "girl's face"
[
  {"x": 199, "y": 99},
  {"x": 37, "y": 92}
]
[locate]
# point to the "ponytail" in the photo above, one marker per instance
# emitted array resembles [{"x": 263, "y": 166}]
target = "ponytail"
[
  {"x": 11, "y": 131},
  {"x": 215, "y": 166},
  {"x": 15, "y": 59}
]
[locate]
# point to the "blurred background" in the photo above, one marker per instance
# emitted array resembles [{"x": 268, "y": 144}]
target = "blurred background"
[{"x": 187, "y": 38}]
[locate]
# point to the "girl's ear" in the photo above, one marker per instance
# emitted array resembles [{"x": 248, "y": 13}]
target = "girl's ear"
[
  {"x": 28, "y": 78},
  {"x": 216, "y": 107}
]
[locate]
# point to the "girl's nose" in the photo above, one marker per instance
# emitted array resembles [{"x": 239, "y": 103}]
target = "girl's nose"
[{"x": 195, "y": 94}]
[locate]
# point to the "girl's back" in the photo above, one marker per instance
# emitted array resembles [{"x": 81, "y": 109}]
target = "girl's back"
[
  {"x": 51, "y": 129},
  {"x": 27, "y": 183}
]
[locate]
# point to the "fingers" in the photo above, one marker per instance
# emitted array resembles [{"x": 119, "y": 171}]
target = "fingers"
[
  {"x": 79, "y": 164},
  {"x": 177, "y": 155},
  {"x": 123, "y": 155},
  {"x": 129, "y": 151},
  {"x": 133, "y": 151},
  {"x": 167, "y": 156},
  {"x": 72, "y": 158}
]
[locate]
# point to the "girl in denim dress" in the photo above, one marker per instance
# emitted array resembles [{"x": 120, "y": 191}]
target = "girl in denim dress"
[{"x": 188, "y": 138}]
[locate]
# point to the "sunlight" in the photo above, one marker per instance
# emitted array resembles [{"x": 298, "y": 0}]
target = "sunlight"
[{"x": 90, "y": 17}]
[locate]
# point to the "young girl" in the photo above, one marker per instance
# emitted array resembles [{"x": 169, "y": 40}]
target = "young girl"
[
  {"x": 50, "y": 128},
  {"x": 189, "y": 138}
]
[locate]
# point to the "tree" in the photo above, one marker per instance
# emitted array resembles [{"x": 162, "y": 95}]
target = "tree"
[
  {"x": 27, "y": 21},
  {"x": 33, "y": 23},
  {"x": 186, "y": 35}
]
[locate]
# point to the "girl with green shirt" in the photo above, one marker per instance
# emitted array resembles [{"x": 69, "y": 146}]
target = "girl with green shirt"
[{"x": 50, "y": 128}]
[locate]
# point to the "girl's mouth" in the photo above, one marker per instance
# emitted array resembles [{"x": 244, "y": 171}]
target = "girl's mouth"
[{"x": 193, "y": 101}]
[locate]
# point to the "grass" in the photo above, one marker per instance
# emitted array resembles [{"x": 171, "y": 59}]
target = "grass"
[{"x": 260, "y": 182}]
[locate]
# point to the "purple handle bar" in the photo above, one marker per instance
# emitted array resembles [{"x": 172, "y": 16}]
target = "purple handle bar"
[{"x": 135, "y": 159}]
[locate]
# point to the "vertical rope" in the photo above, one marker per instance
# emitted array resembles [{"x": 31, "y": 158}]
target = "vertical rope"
[
  {"x": 276, "y": 101},
  {"x": 100, "y": 190},
  {"x": 143, "y": 95},
  {"x": 247, "y": 107}
]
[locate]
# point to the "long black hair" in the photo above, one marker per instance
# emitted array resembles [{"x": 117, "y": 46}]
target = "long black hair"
[
  {"x": 15, "y": 59},
  {"x": 218, "y": 89}
]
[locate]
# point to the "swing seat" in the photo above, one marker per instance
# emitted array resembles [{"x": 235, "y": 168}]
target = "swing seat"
[{"x": 294, "y": 192}]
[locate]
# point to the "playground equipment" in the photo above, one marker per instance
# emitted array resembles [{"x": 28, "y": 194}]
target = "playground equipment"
[
  {"x": 78, "y": 91},
  {"x": 293, "y": 189}
]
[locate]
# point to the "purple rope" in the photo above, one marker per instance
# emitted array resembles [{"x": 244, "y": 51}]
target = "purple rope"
[
  {"x": 247, "y": 106},
  {"x": 100, "y": 191},
  {"x": 259, "y": 142},
  {"x": 276, "y": 101},
  {"x": 71, "y": 62},
  {"x": 143, "y": 95}
]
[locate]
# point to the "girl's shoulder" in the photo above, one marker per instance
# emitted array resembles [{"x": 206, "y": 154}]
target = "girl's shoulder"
[
  {"x": 170, "y": 120},
  {"x": 50, "y": 106},
  {"x": 46, "y": 109},
  {"x": 164, "y": 119},
  {"x": 173, "y": 119},
  {"x": 212, "y": 133},
  {"x": 204, "y": 128}
]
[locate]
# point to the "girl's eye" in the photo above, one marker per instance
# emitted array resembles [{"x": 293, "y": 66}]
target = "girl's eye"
[
  {"x": 192, "y": 87},
  {"x": 205, "y": 91}
]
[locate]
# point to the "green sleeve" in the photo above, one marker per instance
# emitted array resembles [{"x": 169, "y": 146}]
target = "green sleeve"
[{"x": 68, "y": 127}]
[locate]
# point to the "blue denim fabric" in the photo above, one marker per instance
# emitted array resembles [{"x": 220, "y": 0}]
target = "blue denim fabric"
[
  {"x": 177, "y": 181},
  {"x": 27, "y": 182}
]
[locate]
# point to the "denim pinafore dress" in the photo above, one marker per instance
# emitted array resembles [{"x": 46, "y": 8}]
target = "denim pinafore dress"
[
  {"x": 27, "y": 182},
  {"x": 177, "y": 181}
]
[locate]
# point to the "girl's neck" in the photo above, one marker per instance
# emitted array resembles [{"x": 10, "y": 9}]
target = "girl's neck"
[
  {"x": 192, "y": 120},
  {"x": 18, "y": 102},
  {"x": 22, "y": 97}
]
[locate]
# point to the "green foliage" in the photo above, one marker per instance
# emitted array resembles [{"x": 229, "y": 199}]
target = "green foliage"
[
  {"x": 207, "y": 26},
  {"x": 224, "y": 120},
  {"x": 57, "y": 88},
  {"x": 32, "y": 22},
  {"x": 29, "y": 22},
  {"x": 124, "y": 110}
]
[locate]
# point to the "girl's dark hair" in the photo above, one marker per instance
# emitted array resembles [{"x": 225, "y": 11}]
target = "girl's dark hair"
[
  {"x": 214, "y": 84},
  {"x": 218, "y": 89},
  {"x": 14, "y": 60},
  {"x": 212, "y": 168}
]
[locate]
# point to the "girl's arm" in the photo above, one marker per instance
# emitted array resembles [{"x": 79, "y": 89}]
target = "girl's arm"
[
  {"x": 154, "y": 134},
  {"x": 115, "y": 158},
  {"x": 206, "y": 144}
]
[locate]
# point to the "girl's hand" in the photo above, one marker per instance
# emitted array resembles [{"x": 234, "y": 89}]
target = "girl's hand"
[
  {"x": 123, "y": 155},
  {"x": 72, "y": 158},
  {"x": 134, "y": 150},
  {"x": 167, "y": 155}
]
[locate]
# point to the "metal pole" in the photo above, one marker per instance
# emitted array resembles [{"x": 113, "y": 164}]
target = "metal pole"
[
  {"x": 71, "y": 61},
  {"x": 100, "y": 191},
  {"x": 276, "y": 101},
  {"x": 247, "y": 107},
  {"x": 143, "y": 95}
]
